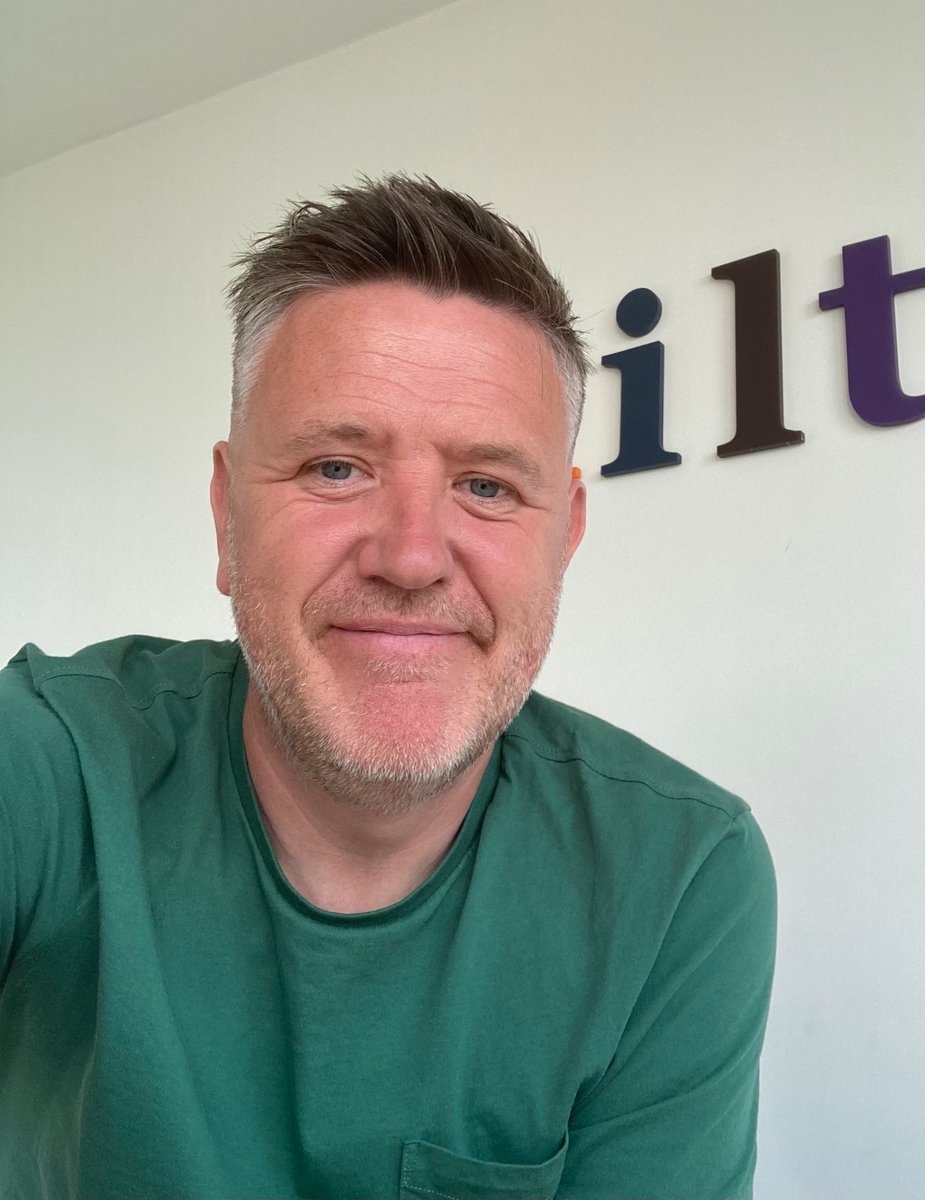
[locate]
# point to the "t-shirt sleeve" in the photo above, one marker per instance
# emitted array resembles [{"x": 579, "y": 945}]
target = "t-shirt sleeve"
[
  {"x": 673, "y": 1117},
  {"x": 7, "y": 893},
  {"x": 43, "y": 836}
]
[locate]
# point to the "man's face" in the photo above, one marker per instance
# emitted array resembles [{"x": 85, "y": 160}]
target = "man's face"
[{"x": 394, "y": 516}]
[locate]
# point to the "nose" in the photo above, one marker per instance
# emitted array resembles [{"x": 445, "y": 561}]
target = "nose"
[{"x": 408, "y": 545}]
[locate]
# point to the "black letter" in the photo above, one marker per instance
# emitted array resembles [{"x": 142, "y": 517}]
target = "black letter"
[{"x": 759, "y": 387}]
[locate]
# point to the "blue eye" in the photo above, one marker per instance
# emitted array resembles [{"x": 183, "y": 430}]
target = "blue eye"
[
  {"x": 335, "y": 469},
  {"x": 485, "y": 489}
]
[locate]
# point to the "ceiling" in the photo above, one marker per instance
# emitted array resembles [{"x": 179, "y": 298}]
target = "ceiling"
[{"x": 75, "y": 70}]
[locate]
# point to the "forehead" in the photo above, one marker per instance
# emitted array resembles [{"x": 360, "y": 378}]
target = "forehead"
[{"x": 391, "y": 352}]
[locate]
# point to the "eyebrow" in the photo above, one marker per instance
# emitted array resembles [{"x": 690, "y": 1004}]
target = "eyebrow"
[
  {"x": 505, "y": 455},
  {"x": 311, "y": 432}
]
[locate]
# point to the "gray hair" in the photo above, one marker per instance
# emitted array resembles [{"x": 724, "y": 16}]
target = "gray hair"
[{"x": 404, "y": 230}]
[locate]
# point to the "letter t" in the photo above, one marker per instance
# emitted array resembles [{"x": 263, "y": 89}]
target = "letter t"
[{"x": 870, "y": 332}]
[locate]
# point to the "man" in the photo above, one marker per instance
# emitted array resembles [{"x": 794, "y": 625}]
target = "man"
[{"x": 336, "y": 913}]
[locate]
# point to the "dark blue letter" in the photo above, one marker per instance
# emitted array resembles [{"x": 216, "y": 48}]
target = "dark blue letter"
[{"x": 642, "y": 386}]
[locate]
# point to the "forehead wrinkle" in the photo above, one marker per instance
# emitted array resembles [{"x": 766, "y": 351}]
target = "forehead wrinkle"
[
  {"x": 381, "y": 388},
  {"x": 457, "y": 363},
  {"x": 521, "y": 340},
  {"x": 471, "y": 362}
]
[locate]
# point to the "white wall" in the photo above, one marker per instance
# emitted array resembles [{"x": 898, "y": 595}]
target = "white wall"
[{"x": 759, "y": 617}]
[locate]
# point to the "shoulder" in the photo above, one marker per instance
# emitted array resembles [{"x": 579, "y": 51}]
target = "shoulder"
[
  {"x": 65, "y": 722},
  {"x": 136, "y": 666},
  {"x": 631, "y": 812},
  {"x": 611, "y": 761},
  {"x": 645, "y": 836},
  {"x": 62, "y": 714}
]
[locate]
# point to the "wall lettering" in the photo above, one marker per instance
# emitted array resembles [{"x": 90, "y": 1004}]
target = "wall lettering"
[
  {"x": 759, "y": 373},
  {"x": 874, "y": 389},
  {"x": 870, "y": 332},
  {"x": 642, "y": 388}
]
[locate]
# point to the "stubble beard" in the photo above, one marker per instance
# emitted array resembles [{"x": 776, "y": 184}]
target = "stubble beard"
[{"x": 331, "y": 740}]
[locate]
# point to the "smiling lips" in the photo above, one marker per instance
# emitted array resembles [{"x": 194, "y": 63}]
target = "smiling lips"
[
  {"x": 393, "y": 628},
  {"x": 400, "y": 639},
  {"x": 394, "y": 622}
]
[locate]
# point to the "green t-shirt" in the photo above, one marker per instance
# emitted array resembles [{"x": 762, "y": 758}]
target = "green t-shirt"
[{"x": 571, "y": 1005}]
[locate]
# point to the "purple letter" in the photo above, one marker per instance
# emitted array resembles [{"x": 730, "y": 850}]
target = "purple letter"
[{"x": 870, "y": 332}]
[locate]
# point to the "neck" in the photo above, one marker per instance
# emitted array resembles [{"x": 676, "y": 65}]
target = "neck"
[{"x": 341, "y": 857}]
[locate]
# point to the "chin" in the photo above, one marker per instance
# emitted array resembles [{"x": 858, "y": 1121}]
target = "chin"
[
  {"x": 393, "y": 734},
  {"x": 386, "y": 752}
]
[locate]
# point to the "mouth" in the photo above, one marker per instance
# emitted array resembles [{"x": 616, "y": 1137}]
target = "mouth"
[
  {"x": 399, "y": 629},
  {"x": 413, "y": 650},
  {"x": 390, "y": 640}
]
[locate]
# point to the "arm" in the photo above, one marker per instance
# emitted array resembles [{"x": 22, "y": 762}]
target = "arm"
[
  {"x": 42, "y": 851},
  {"x": 673, "y": 1117},
  {"x": 8, "y": 904}
]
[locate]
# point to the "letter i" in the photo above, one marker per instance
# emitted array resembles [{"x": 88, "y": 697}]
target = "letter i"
[{"x": 642, "y": 387}]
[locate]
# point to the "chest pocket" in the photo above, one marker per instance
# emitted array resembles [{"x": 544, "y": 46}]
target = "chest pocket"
[{"x": 431, "y": 1173}]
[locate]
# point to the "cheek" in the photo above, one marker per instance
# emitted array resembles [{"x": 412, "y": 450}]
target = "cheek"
[
  {"x": 297, "y": 543},
  {"x": 516, "y": 569}
]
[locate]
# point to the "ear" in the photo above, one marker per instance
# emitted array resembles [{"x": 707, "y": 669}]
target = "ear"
[
  {"x": 220, "y": 495},
  {"x": 576, "y": 520}
]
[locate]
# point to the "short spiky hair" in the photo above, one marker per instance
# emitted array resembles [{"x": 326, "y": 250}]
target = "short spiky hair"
[{"x": 406, "y": 230}]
